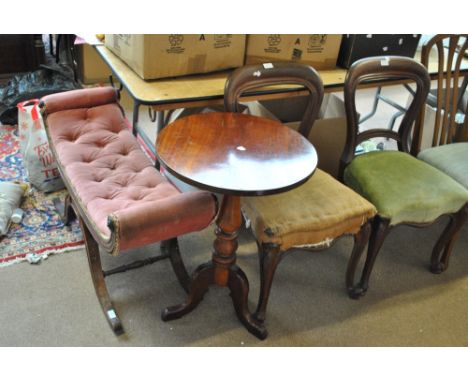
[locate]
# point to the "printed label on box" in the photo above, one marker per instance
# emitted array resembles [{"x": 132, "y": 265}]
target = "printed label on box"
[
  {"x": 222, "y": 41},
  {"x": 316, "y": 43},
  {"x": 175, "y": 41},
  {"x": 273, "y": 40}
]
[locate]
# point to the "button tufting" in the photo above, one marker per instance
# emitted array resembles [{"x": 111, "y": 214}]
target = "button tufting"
[{"x": 86, "y": 161}]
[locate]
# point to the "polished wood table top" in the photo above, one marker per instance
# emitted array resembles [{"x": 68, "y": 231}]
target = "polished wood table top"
[
  {"x": 233, "y": 154},
  {"x": 236, "y": 154}
]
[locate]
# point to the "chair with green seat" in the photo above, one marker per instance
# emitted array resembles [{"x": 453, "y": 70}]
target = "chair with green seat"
[
  {"x": 446, "y": 153},
  {"x": 405, "y": 190},
  {"x": 312, "y": 215}
]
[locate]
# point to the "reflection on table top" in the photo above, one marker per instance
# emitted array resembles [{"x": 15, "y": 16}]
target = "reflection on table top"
[
  {"x": 206, "y": 89},
  {"x": 236, "y": 154}
]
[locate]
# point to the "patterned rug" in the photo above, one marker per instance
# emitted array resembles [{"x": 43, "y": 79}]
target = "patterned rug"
[{"x": 41, "y": 232}]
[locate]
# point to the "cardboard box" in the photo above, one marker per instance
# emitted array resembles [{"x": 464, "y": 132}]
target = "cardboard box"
[
  {"x": 91, "y": 67},
  {"x": 328, "y": 134},
  {"x": 317, "y": 50},
  {"x": 168, "y": 55},
  {"x": 357, "y": 46}
]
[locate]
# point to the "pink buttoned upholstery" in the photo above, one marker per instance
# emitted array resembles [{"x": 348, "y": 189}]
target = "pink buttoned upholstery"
[{"x": 124, "y": 200}]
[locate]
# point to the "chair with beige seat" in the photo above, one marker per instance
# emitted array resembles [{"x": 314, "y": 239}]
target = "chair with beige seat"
[
  {"x": 312, "y": 215},
  {"x": 404, "y": 189}
]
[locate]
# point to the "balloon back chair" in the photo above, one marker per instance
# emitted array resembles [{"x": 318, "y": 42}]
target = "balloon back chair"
[
  {"x": 312, "y": 215},
  {"x": 404, "y": 190}
]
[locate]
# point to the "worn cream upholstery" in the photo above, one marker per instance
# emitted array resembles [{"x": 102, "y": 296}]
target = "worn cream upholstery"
[{"x": 313, "y": 214}]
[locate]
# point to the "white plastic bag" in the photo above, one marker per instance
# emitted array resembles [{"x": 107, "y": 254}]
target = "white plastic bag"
[
  {"x": 38, "y": 159},
  {"x": 10, "y": 199},
  {"x": 25, "y": 122}
]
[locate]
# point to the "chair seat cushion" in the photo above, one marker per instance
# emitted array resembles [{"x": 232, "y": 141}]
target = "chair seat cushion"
[
  {"x": 403, "y": 188},
  {"x": 313, "y": 214},
  {"x": 451, "y": 159}
]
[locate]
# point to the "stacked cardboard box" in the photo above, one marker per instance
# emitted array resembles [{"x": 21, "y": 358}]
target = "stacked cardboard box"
[
  {"x": 91, "y": 67},
  {"x": 317, "y": 50},
  {"x": 159, "y": 56}
]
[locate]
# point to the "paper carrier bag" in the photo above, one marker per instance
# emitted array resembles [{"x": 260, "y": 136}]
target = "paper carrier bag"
[{"x": 38, "y": 159}]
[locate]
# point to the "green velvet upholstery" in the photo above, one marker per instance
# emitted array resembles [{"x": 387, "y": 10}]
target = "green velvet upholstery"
[
  {"x": 451, "y": 159},
  {"x": 403, "y": 188}
]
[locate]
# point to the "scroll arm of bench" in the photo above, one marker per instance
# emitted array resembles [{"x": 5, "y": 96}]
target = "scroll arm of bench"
[
  {"x": 78, "y": 99},
  {"x": 163, "y": 219}
]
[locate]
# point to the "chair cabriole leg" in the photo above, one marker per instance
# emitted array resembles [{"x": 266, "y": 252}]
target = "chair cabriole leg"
[
  {"x": 360, "y": 241},
  {"x": 380, "y": 229},
  {"x": 443, "y": 248},
  {"x": 269, "y": 257}
]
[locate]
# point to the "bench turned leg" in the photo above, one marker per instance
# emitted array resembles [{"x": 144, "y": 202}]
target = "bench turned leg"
[
  {"x": 170, "y": 248},
  {"x": 94, "y": 260}
]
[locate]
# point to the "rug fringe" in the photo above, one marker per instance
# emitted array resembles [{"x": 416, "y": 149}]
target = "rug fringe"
[{"x": 43, "y": 254}]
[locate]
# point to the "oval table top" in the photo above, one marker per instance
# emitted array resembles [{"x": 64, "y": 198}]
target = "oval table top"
[{"x": 236, "y": 154}]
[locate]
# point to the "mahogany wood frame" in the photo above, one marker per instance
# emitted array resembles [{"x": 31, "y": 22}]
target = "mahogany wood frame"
[
  {"x": 256, "y": 76},
  {"x": 222, "y": 271},
  {"x": 72, "y": 209},
  {"x": 169, "y": 249},
  {"x": 235, "y": 155},
  {"x": 381, "y": 68}
]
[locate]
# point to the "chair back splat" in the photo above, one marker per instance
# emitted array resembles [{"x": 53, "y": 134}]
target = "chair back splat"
[
  {"x": 247, "y": 78},
  {"x": 376, "y": 69},
  {"x": 447, "y": 98}
]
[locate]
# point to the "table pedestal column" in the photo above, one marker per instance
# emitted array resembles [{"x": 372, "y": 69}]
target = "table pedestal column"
[{"x": 222, "y": 271}]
